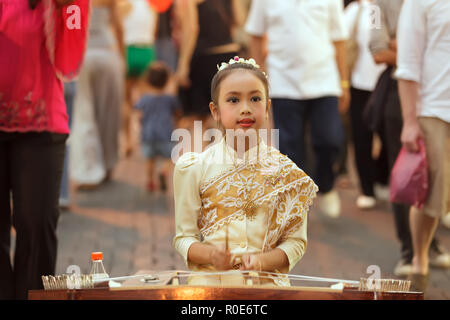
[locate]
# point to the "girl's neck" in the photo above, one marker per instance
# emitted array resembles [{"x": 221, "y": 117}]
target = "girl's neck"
[{"x": 240, "y": 144}]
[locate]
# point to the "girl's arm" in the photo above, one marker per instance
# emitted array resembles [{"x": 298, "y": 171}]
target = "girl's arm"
[
  {"x": 219, "y": 257},
  {"x": 187, "y": 14},
  {"x": 275, "y": 259},
  {"x": 288, "y": 252}
]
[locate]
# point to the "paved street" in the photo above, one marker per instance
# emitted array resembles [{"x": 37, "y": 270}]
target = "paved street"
[{"x": 134, "y": 229}]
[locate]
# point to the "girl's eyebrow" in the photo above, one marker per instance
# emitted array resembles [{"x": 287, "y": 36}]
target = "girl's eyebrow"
[{"x": 239, "y": 92}]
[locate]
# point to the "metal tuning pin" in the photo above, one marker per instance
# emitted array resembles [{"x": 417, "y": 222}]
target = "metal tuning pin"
[
  {"x": 67, "y": 282},
  {"x": 384, "y": 285}
]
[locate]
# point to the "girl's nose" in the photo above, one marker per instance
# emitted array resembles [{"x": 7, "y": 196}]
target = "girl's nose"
[{"x": 245, "y": 109}]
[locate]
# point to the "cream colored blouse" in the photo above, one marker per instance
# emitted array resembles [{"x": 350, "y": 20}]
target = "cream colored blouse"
[{"x": 214, "y": 169}]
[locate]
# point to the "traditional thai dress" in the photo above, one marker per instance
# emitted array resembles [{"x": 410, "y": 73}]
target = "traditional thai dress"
[{"x": 262, "y": 199}]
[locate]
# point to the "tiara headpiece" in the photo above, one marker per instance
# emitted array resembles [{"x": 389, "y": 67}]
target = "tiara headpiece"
[{"x": 236, "y": 59}]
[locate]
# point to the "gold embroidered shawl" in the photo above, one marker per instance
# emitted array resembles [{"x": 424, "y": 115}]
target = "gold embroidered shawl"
[{"x": 272, "y": 179}]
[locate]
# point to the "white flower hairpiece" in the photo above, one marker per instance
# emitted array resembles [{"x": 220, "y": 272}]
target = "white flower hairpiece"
[{"x": 236, "y": 59}]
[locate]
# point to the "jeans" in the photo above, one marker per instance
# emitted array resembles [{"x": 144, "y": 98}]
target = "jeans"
[
  {"x": 292, "y": 117},
  {"x": 31, "y": 166}
]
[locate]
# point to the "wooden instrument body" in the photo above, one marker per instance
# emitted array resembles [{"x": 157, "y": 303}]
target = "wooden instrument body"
[
  {"x": 219, "y": 293},
  {"x": 170, "y": 286}
]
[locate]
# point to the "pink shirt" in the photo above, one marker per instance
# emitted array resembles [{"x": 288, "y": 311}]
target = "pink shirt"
[{"x": 31, "y": 67}]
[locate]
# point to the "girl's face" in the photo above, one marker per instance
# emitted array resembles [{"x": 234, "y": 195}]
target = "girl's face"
[{"x": 242, "y": 102}]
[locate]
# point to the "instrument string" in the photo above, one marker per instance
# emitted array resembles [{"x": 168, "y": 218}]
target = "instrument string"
[{"x": 261, "y": 274}]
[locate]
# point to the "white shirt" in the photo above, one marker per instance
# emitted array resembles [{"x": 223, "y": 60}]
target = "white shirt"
[
  {"x": 140, "y": 24},
  {"x": 424, "y": 54},
  {"x": 301, "y": 60},
  {"x": 366, "y": 72}
]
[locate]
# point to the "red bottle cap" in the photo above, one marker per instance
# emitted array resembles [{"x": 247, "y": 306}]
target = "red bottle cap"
[{"x": 97, "y": 256}]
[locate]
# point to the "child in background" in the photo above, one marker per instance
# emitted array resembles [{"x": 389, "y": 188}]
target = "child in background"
[
  {"x": 240, "y": 206},
  {"x": 158, "y": 113}
]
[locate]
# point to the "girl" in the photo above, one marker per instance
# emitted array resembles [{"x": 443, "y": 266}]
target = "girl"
[{"x": 240, "y": 208}]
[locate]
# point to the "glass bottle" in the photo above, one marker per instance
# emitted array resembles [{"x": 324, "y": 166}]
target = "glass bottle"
[{"x": 98, "y": 270}]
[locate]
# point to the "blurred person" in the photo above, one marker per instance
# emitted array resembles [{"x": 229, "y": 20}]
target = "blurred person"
[
  {"x": 363, "y": 78},
  {"x": 140, "y": 23},
  {"x": 424, "y": 84},
  {"x": 165, "y": 46},
  {"x": 205, "y": 28},
  {"x": 383, "y": 46},
  {"x": 64, "y": 196},
  {"x": 96, "y": 119},
  {"x": 306, "y": 64},
  {"x": 158, "y": 114},
  {"x": 36, "y": 54}
]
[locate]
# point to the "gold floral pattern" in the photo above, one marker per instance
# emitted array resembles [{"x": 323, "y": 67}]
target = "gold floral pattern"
[{"x": 274, "y": 180}]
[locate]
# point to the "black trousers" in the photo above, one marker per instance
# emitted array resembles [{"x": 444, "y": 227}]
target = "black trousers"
[
  {"x": 369, "y": 170},
  {"x": 31, "y": 166}
]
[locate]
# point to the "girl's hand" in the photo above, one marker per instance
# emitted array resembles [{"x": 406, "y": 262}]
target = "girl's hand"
[
  {"x": 220, "y": 258},
  {"x": 251, "y": 262}
]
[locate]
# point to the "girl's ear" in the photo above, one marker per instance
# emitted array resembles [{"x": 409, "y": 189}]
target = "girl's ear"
[{"x": 214, "y": 111}]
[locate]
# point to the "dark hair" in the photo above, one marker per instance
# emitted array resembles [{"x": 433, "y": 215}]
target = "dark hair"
[
  {"x": 158, "y": 75},
  {"x": 33, "y": 3},
  {"x": 221, "y": 75}
]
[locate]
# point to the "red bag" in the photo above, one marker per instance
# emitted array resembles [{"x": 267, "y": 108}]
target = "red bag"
[{"x": 409, "y": 178}]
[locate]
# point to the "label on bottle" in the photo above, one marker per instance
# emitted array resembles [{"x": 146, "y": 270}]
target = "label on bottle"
[{"x": 99, "y": 276}]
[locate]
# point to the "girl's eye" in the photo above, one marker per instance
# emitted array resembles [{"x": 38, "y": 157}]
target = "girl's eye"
[
  {"x": 233, "y": 100},
  {"x": 256, "y": 99}
]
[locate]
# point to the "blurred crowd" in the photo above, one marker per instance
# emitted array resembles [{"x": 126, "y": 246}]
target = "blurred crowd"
[{"x": 341, "y": 81}]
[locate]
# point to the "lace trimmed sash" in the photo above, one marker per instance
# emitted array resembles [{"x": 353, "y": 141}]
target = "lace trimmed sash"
[{"x": 273, "y": 180}]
